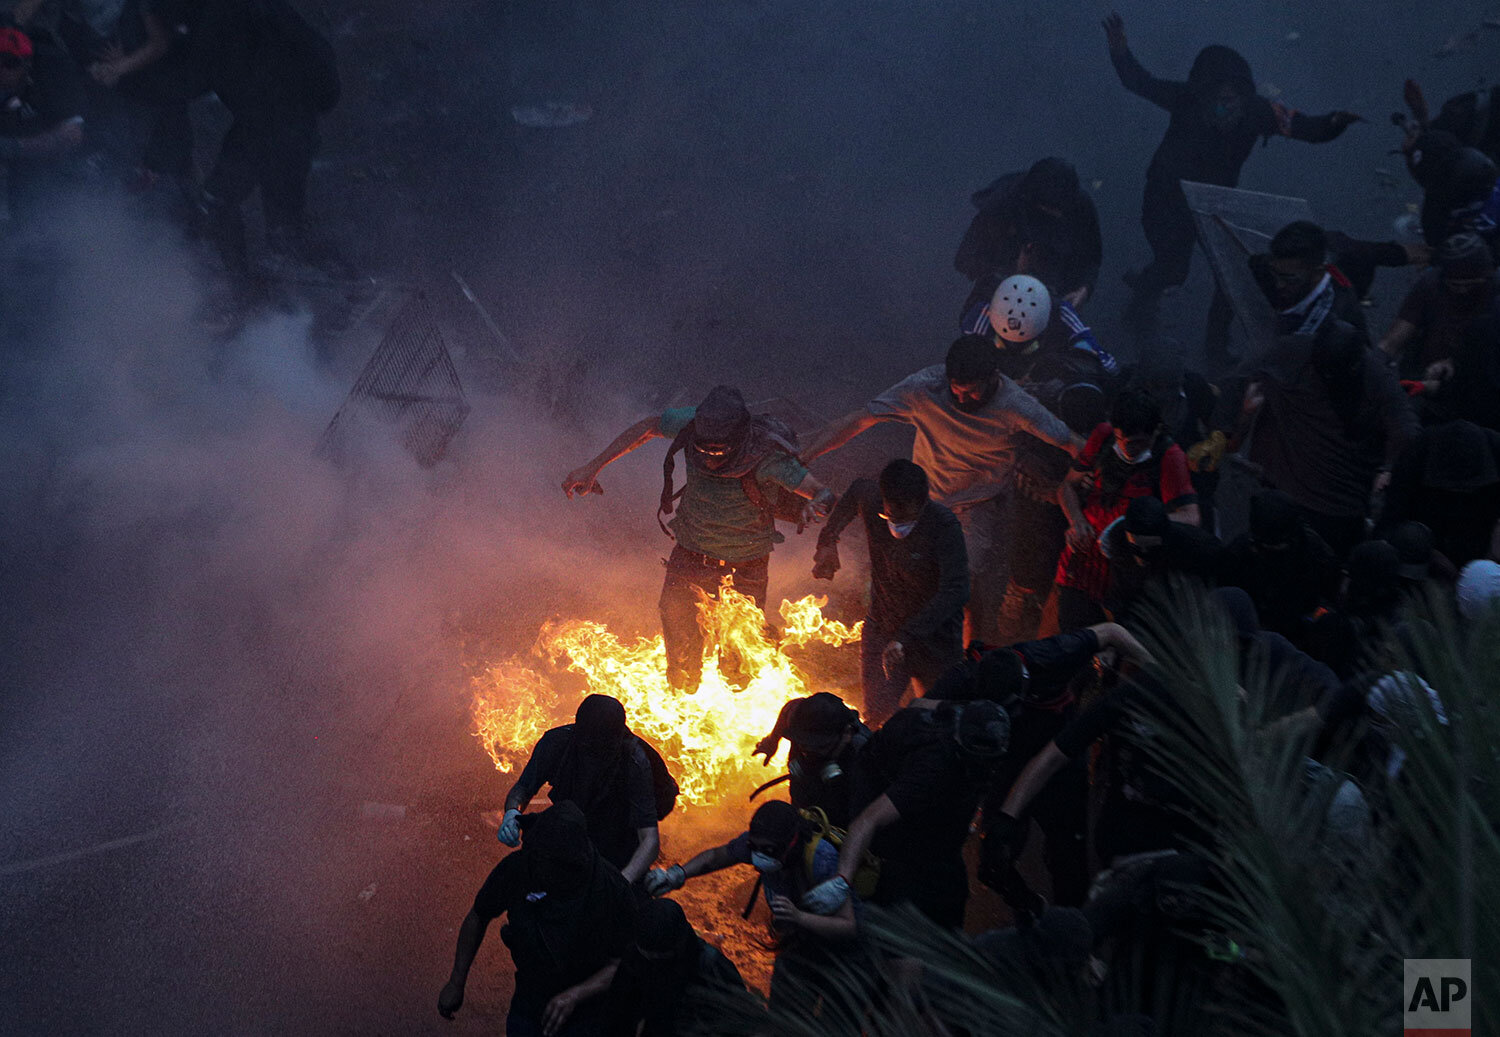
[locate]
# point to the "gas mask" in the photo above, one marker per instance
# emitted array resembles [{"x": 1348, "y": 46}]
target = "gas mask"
[{"x": 830, "y": 771}]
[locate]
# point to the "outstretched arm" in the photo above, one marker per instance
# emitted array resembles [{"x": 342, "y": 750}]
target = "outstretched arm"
[
  {"x": 584, "y": 480},
  {"x": 839, "y": 432},
  {"x": 648, "y": 845},
  {"x": 1160, "y": 92},
  {"x": 470, "y": 936}
]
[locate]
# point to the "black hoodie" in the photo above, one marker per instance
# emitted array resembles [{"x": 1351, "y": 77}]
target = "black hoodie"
[{"x": 1195, "y": 146}]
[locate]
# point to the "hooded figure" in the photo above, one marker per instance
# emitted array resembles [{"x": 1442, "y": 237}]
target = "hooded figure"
[
  {"x": 1038, "y": 222},
  {"x": 1449, "y": 479},
  {"x": 655, "y": 985},
  {"x": 568, "y": 916},
  {"x": 598, "y": 765},
  {"x": 1283, "y": 565},
  {"x": 1459, "y": 191},
  {"x": 1216, "y": 118}
]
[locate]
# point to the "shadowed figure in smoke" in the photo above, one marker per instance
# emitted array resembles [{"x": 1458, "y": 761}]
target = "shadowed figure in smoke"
[
  {"x": 725, "y": 527},
  {"x": 662, "y": 973},
  {"x": 570, "y": 918},
  {"x": 1217, "y": 117},
  {"x": 609, "y": 773}
]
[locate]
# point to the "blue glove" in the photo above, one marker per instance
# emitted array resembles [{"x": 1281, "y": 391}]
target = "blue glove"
[
  {"x": 826, "y": 897},
  {"x": 510, "y": 828}
]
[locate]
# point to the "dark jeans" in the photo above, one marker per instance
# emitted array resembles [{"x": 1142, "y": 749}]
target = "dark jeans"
[
  {"x": 1169, "y": 227},
  {"x": 924, "y": 664},
  {"x": 690, "y": 577},
  {"x": 1039, "y": 530},
  {"x": 267, "y": 149}
]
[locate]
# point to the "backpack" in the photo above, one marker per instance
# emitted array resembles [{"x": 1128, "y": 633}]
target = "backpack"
[
  {"x": 782, "y": 505},
  {"x": 664, "y": 787},
  {"x": 866, "y": 876}
]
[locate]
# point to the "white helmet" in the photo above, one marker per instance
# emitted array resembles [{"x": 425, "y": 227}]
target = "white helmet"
[{"x": 1020, "y": 308}]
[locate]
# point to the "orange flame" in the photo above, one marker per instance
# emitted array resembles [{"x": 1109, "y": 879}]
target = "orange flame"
[{"x": 705, "y": 736}]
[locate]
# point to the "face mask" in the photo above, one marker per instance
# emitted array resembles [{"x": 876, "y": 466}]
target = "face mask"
[
  {"x": 901, "y": 530},
  {"x": 764, "y": 863},
  {"x": 1141, "y": 458}
]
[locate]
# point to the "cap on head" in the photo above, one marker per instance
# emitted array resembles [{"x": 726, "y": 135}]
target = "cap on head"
[
  {"x": 1020, "y": 309},
  {"x": 722, "y": 419},
  {"x": 983, "y": 730},
  {"x": 774, "y": 822},
  {"x": 15, "y": 43},
  {"x": 818, "y": 722},
  {"x": 1413, "y": 543},
  {"x": 1374, "y": 572},
  {"x": 999, "y": 675}
]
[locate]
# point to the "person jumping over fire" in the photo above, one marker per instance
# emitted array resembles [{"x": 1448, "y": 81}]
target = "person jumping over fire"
[{"x": 739, "y": 466}]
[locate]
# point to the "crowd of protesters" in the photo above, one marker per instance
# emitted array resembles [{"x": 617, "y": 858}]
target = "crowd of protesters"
[
  {"x": 1010, "y": 559},
  {"x": 97, "y": 89}
]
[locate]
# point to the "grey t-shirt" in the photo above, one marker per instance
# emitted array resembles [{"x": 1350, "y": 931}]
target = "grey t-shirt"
[{"x": 967, "y": 457}]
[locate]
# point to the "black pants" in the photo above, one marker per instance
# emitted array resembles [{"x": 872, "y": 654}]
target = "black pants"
[
  {"x": 269, "y": 149},
  {"x": 1171, "y": 233},
  {"x": 1039, "y": 529},
  {"x": 691, "y": 576}
]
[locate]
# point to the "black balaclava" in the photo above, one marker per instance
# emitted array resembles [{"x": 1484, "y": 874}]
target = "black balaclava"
[
  {"x": 1147, "y": 516},
  {"x": 558, "y": 850},
  {"x": 661, "y": 963},
  {"x": 599, "y": 725},
  {"x": 1374, "y": 578},
  {"x": 1240, "y": 610}
]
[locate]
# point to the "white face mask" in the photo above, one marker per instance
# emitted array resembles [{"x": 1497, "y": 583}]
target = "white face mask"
[
  {"x": 764, "y": 862},
  {"x": 901, "y": 530},
  {"x": 1141, "y": 458}
]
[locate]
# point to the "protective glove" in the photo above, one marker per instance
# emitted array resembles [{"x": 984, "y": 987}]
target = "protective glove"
[
  {"x": 1003, "y": 840},
  {"x": 660, "y": 881},
  {"x": 510, "y": 828},
  {"x": 1206, "y": 455},
  {"x": 826, "y": 897}
]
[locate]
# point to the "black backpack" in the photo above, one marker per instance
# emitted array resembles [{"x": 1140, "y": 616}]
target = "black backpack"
[
  {"x": 782, "y": 505},
  {"x": 663, "y": 785}
]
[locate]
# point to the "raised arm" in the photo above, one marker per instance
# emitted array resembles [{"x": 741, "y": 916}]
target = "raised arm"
[
  {"x": 1160, "y": 92},
  {"x": 584, "y": 479},
  {"x": 839, "y": 432}
]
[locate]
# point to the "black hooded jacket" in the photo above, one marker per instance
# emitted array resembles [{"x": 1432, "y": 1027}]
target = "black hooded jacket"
[
  {"x": 1194, "y": 148},
  {"x": 1066, "y": 244}
]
